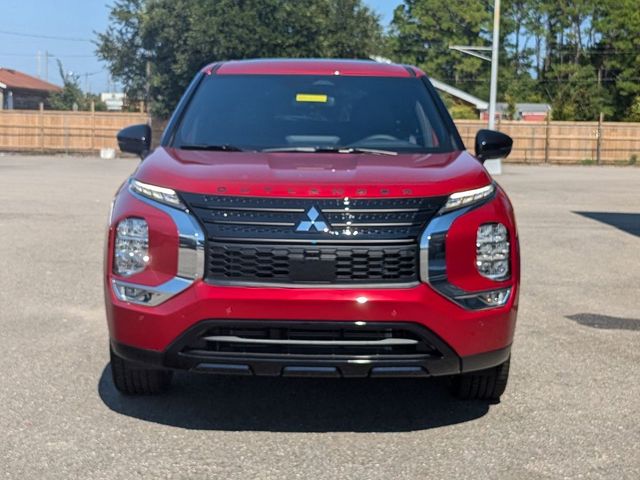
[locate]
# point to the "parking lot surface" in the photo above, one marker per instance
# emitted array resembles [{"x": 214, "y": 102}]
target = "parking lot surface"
[{"x": 571, "y": 410}]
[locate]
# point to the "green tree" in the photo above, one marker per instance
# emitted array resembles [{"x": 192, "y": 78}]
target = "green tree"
[
  {"x": 618, "y": 22},
  {"x": 463, "y": 112},
  {"x": 575, "y": 95},
  {"x": 351, "y": 30},
  {"x": 155, "y": 47},
  {"x": 517, "y": 55},
  {"x": 121, "y": 46},
  {"x": 71, "y": 96},
  {"x": 423, "y": 30},
  {"x": 633, "y": 113},
  {"x": 582, "y": 56}
]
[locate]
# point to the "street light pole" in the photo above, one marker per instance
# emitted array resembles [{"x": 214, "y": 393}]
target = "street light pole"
[
  {"x": 493, "y": 166},
  {"x": 495, "y": 47}
]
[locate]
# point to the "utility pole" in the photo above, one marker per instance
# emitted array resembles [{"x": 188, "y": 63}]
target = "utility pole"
[
  {"x": 495, "y": 48},
  {"x": 38, "y": 63},
  {"x": 46, "y": 65},
  {"x": 493, "y": 166}
]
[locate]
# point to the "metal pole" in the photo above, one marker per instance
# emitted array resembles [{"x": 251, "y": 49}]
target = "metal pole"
[
  {"x": 46, "y": 65},
  {"x": 494, "y": 166},
  {"x": 495, "y": 47}
]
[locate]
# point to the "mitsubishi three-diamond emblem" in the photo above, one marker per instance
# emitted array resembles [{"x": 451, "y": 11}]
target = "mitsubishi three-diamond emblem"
[{"x": 313, "y": 222}]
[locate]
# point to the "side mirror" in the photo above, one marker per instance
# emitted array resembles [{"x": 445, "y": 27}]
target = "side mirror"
[
  {"x": 135, "y": 139},
  {"x": 491, "y": 144}
]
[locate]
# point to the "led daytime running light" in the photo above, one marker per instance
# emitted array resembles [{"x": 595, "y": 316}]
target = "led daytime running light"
[
  {"x": 469, "y": 197},
  {"x": 159, "y": 194}
]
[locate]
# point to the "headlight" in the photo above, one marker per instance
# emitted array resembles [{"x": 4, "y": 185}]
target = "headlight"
[
  {"x": 159, "y": 194},
  {"x": 492, "y": 251},
  {"x": 131, "y": 251},
  {"x": 468, "y": 197}
]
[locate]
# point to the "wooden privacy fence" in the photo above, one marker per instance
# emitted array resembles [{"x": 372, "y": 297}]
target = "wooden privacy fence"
[
  {"x": 534, "y": 142},
  {"x": 62, "y": 131},
  {"x": 604, "y": 143}
]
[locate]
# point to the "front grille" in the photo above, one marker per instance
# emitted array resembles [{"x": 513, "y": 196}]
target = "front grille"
[
  {"x": 307, "y": 240},
  {"x": 246, "y": 219},
  {"x": 332, "y": 264},
  {"x": 334, "y": 340}
]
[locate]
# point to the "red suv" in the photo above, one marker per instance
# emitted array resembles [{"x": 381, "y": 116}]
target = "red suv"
[{"x": 312, "y": 218}]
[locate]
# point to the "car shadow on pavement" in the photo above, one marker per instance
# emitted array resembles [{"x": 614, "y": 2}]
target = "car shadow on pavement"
[
  {"x": 605, "y": 322},
  {"x": 295, "y": 405},
  {"x": 627, "y": 222}
]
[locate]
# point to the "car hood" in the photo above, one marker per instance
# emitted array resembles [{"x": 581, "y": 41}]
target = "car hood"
[{"x": 312, "y": 174}]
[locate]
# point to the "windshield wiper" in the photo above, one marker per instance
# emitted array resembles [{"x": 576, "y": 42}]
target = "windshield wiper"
[
  {"x": 212, "y": 148},
  {"x": 331, "y": 150}
]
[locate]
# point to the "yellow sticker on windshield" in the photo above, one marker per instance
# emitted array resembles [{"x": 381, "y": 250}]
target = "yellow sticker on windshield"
[{"x": 311, "y": 97}]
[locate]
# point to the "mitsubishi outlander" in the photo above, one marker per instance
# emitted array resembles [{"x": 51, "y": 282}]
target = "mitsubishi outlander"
[{"x": 312, "y": 218}]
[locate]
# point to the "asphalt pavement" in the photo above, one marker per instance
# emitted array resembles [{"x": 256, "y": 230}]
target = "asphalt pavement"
[{"x": 571, "y": 410}]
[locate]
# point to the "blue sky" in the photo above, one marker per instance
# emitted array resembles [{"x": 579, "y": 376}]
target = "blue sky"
[
  {"x": 77, "y": 20},
  {"x": 384, "y": 8}
]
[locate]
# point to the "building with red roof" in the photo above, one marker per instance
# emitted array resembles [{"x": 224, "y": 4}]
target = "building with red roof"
[{"x": 23, "y": 92}]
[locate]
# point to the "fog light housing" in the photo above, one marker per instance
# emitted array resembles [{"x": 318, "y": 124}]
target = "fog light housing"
[
  {"x": 492, "y": 251},
  {"x": 128, "y": 293},
  {"x": 495, "y": 298},
  {"x": 131, "y": 249}
]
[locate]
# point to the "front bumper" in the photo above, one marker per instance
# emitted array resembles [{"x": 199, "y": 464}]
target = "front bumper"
[
  {"x": 468, "y": 340},
  {"x": 432, "y": 357}
]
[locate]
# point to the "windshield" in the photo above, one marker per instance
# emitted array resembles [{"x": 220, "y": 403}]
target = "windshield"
[{"x": 312, "y": 113}]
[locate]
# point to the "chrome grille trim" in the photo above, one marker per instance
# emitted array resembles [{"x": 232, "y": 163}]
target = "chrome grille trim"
[
  {"x": 342, "y": 343},
  {"x": 323, "y": 224}
]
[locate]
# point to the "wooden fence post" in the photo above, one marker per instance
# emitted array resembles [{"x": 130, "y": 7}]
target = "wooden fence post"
[
  {"x": 41, "y": 118},
  {"x": 547, "y": 133},
  {"x": 532, "y": 152},
  {"x": 65, "y": 130},
  {"x": 93, "y": 125},
  {"x": 599, "y": 139}
]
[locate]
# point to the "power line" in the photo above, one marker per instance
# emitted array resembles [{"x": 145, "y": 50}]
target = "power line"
[
  {"x": 596, "y": 51},
  {"x": 65, "y": 55},
  {"x": 547, "y": 80},
  {"x": 46, "y": 37},
  {"x": 89, "y": 74}
]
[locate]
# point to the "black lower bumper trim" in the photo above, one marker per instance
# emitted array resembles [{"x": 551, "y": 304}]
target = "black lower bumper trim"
[
  {"x": 144, "y": 357},
  {"x": 223, "y": 369},
  {"x": 309, "y": 371},
  {"x": 398, "y": 372},
  {"x": 482, "y": 361},
  {"x": 449, "y": 363}
]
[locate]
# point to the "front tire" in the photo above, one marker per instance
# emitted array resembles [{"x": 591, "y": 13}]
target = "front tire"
[
  {"x": 133, "y": 379},
  {"x": 487, "y": 384}
]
